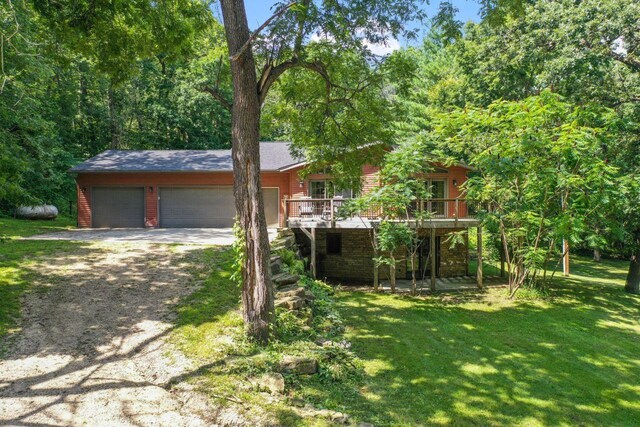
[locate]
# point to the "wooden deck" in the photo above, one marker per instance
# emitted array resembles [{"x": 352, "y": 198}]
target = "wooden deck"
[
  {"x": 331, "y": 213},
  {"x": 365, "y": 223},
  {"x": 308, "y": 215}
]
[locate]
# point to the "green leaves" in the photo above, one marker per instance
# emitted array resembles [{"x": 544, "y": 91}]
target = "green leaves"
[
  {"x": 57, "y": 92},
  {"x": 541, "y": 172},
  {"x": 117, "y": 34}
]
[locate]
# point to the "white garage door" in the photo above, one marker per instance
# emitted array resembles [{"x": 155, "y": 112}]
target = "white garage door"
[{"x": 207, "y": 207}]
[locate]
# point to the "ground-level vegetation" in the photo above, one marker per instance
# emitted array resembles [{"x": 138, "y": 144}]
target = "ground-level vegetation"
[
  {"x": 568, "y": 357},
  {"x": 15, "y": 258},
  {"x": 238, "y": 373}
]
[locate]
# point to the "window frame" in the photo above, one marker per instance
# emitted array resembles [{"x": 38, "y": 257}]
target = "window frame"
[
  {"x": 330, "y": 248},
  {"x": 329, "y": 190}
]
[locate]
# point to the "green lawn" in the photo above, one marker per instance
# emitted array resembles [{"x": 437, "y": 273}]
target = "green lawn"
[
  {"x": 17, "y": 255},
  {"x": 467, "y": 358},
  {"x": 457, "y": 359},
  {"x": 480, "y": 359}
]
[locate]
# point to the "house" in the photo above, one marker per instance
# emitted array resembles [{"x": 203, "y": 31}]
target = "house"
[{"x": 194, "y": 188}]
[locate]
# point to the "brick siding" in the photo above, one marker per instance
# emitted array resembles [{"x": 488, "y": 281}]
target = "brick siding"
[{"x": 152, "y": 181}]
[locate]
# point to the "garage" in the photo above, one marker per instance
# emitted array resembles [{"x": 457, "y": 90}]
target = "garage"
[
  {"x": 117, "y": 207},
  {"x": 207, "y": 207},
  {"x": 176, "y": 188}
]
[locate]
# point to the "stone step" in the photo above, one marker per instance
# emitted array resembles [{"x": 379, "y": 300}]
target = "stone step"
[
  {"x": 275, "y": 258},
  {"x": 291, "y": 291},
  {"x": 299, "y": 365},
  {"x": 283, "y": 279},
  {"x": 290, "y": 303},
  {"x": 276, "y": 266}
]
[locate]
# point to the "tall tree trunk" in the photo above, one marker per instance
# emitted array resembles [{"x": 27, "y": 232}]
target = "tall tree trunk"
[
  {"x": 597, "y": 256},
  {"x": 257, "y": 291},
  {"x": 632, "y": 284}
]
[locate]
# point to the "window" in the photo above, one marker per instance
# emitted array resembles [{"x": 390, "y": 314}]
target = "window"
[
  {"x": 334, "y": 244},
  {"x": 325, "y": 189},
  {"x": 438, "y": 188},
  {"x": 438, "y": 192},
  {"x": 318, "y": 189}
]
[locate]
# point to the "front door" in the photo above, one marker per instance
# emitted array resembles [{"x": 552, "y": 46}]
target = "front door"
[{"x": 422, "y": 262}]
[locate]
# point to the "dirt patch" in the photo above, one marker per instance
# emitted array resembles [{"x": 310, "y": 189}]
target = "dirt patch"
[{"x": 92, "y": 349}]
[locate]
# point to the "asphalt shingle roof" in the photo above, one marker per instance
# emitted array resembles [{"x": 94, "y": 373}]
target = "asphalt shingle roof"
[{"x": 273, "y": 156}]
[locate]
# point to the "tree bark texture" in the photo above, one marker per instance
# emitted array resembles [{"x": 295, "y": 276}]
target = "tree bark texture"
[
  {"x": 597, "y": 256},
  {"x": 632, "y": 284},
  {"x": 257, "y": 290}
]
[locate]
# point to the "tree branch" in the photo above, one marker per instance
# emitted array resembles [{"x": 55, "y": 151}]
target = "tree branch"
[
  {"x": 271, "y": 74},
  {"x": 633, "y": 99},
  {"x": 218, "y": 97},
  {"x": 256, "y": 33},
  {"x": 634, "y": 64},
  {"x": 297, "y": 47}
]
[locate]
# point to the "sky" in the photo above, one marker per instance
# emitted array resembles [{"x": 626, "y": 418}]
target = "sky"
[{"x": 260, "y": 10}]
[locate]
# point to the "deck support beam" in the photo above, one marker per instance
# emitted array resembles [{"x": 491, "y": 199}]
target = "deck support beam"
[
  {"x": 313, "y": 254},
  {"x": 432, "y": 258},
  {"x": 376, "y": 267},
  {"x": 311, "y": 234},
  {"x": 565, "y": 258},
  {"x": 468, "y": 256},
  {"x": 479, "y": 270}
]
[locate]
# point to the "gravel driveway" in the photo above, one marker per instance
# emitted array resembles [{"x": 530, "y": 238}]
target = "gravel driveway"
[
  {"x": 92, "y": 349},
  {"x": 198, "y": 236}
]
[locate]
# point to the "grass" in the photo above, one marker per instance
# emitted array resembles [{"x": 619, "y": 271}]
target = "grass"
[
  {"x": 16, "y": 257},
  {"x": 481, "y": 359},
  {"x": 572, "y": 358},
  {"x": 209, "y": 329},
  {"x": 15, "y": 228}
]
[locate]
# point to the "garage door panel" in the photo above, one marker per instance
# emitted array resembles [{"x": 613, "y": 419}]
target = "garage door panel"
[
  {"x": 196, "y": 207},
  {"x": 207, "y": 207},
  {"x": 117, "y": 207}
]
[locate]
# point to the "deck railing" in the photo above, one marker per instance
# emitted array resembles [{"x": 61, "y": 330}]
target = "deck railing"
[{"x": 330, "y": 209}]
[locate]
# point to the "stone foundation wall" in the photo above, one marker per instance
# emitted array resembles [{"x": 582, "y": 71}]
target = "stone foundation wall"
[
  {"x": 355, "y": 263},
  {"x": 453, "y": 255}
]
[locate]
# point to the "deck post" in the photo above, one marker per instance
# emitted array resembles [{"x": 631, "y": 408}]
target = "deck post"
[
  {"x": 468, "y": 255},
  {"x": 432, "y": 258},
  {"x": 311, "y": 234},
  {"x": 286, "y": 211},
  {"x": 376, "y": 267},
  {"x": 313, "y": 253},
  {"x": 455, "y": 211},
  {"x": 479, "y": 271},
  {"x": 376, "y": 277},
  {"x": 565, "y": 257},
  {"x": 333, "y": 219}
]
